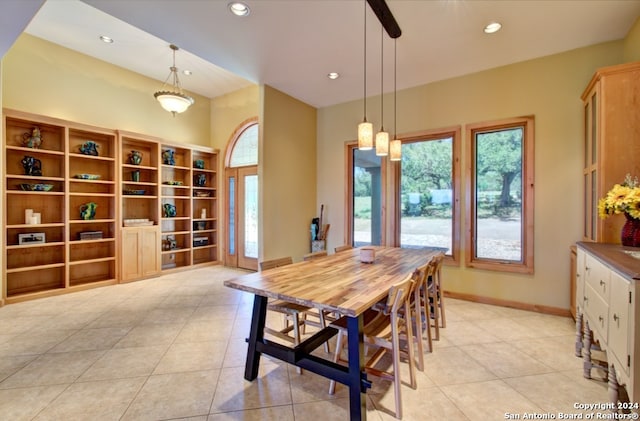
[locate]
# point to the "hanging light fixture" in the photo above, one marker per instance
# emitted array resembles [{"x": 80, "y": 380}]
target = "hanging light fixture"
[
  {"x": 365, "y": 129},
  {"x": 382, "y": 137},
  {"x": 174, "y": 101},
  {"x": 395, "y": 146}
]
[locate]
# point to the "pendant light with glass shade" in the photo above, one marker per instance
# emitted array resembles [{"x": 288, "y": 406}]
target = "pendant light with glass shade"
[
  {"x": 395, "y": 146},
  {"x": 174, "y": 101},
  {"x": 365, "y": 129},
  {"x": 382, "y": 137}
]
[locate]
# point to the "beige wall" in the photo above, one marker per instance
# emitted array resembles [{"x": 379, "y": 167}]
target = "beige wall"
[
  {"x": 44, "y": 78},
  {"x": 632, "y": 43},
  {"x": 548, "y": 88},
  {"x": 287, "y": 174}
]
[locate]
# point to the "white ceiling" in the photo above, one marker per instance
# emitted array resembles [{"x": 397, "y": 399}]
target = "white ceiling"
[{"x": 291, "y": 45}]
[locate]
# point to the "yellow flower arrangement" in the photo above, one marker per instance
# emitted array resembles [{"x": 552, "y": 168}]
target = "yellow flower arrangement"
[{"x": 622, "y": 198}]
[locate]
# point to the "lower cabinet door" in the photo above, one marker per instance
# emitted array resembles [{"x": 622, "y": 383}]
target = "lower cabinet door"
[
  {"x": 140, "y": 253},
  {"x": 149, "y": 252},
  {"x": 130, "y": 246},
  {"x": 619, "y": 309}
]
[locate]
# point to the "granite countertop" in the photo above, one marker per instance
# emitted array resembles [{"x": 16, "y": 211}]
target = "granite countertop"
[{"x": 620, "y": 258}]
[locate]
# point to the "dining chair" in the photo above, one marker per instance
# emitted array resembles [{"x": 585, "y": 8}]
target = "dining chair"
[
  {"x": 314, "y": 255},
  {"x": 293, "y": 313},
  {"x": 382, "y": 331},
  {"x": 436, "y": 294},
  {"x": 420, "y": 312},
  {"x": 343, "y": 248}
]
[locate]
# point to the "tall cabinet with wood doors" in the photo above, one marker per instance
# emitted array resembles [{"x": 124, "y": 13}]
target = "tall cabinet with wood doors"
[{"x": 611, "y": 143}]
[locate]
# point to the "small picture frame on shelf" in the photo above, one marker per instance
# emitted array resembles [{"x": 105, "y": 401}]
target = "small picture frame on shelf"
[{"x": 31, "y": 238}]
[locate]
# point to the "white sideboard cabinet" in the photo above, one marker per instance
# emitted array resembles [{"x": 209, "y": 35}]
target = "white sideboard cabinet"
[{"x": 607, "y": 281}]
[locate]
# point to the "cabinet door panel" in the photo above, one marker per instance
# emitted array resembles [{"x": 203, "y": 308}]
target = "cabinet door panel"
[
  {"x": 130, "y": 261},
  {"x": 619, "y": 321},
  {"x": 149, "y": 252}
]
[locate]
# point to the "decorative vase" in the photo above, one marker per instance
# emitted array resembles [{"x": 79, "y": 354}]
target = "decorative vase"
[
  {"x": 88, "y": 210},
  {"x": 31, "y": 165},
  {"x": 32, "y": 139},
  {"x": 135, "y": 157},
  {"x": 630, "y": 234},
  {"x": 168, "y": 157}
]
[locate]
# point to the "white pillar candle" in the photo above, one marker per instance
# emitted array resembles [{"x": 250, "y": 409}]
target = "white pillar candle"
[
  {"x": 37, "y": 217},
  {"x": 203, "y": 214},
  {"x": 28, "y": 213},
  {"x": 34, "y": 220}
]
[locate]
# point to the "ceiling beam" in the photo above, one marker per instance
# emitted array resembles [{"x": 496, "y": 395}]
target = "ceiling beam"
[{"x": 381, "y": 9}]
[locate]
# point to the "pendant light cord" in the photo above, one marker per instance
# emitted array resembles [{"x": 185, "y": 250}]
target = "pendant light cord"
[
  {"x": 364, "y": 2},
  {"x": 381, "y": 79},
  {"x": 395, "y": 88}
]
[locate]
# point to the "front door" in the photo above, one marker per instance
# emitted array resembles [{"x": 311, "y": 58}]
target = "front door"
[{"x": 242, "y": 217}]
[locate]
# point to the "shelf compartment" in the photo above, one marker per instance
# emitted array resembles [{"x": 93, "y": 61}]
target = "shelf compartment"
[
  {"x": 140, "y": 207},
  {"x": 49, "y": 206},
  {"x": 91, "y": 188},
  {"x": 26, "y": 258},
  {"x": 176, "y": 259},
  {"x": 104, "y": 141},
  {"x": 107, "y": 227},
  {"x": 53, "y": 235},
  {"x": 84, "y": 164},
  {"x": 105, "y": 209},
  {"x": 182, "y": 241},
  {"x": 14, "y": 184},
  {"x": 205, "y": 254},
  {"x": 181, "y": 156},
  {"x": 36, "y": 280},
  {"x": 52, "y": 135},
  {"x": 52, "y": 164},
  {"x": 92, "y": 271},
  {"x": 169, "y": 225},
  {"x": 93, "y": 251}
]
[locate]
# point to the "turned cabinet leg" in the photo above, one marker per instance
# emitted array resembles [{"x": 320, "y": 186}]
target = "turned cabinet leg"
[
  {"x": 579, "y": 335},
  {"x": 586, "y": 351},
  {"x": 613, "y": 387}
]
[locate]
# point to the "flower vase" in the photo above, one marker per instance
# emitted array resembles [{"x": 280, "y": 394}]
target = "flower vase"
[{"x": 630, "y": 234}]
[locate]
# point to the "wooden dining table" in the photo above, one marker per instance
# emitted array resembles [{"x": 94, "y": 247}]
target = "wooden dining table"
[{"x": 338, "y": 283}]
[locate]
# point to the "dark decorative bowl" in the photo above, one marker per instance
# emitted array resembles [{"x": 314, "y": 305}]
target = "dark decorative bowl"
[
  {"x": 133, "y": 192},
  {"x": 36, "y": 187}
]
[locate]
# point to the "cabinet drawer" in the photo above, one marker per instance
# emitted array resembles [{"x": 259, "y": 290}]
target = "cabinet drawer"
[
  {"x": 597, "y": 312},
  {"x": 598, "y": 277}
]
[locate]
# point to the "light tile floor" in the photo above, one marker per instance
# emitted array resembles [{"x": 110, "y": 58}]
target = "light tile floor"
[{"x": 173, "y": 348}]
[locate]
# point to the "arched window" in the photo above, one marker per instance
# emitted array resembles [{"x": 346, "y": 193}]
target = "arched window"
[{"x": 244, "y": 151}]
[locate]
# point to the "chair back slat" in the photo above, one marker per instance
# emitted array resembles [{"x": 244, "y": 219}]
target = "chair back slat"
[
  {"x": 314, "y": 255},
  {"x": 343, "y": 248},
  {"x": 274, "y": 263}
]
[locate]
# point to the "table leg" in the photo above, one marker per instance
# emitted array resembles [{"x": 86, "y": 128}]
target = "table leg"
[
  {"x": 256, "y": 334},
  {"x": 357, "y": 377}
]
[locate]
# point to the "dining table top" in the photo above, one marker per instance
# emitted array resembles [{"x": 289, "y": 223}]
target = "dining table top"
[{"x": 339, "y": 282}]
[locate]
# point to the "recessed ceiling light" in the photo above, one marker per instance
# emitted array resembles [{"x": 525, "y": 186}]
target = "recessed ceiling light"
[
  {"x": 333, "y": 75},
  {"x": 106, "y": 39},
  {"x": 492, "y": 28},
  {"x": 239, "y": 9},
  {"x": 187, "y": 72}
]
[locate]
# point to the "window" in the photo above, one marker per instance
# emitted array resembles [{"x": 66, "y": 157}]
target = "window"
[
  {"x": 500, "y": 195},
  {"x": 366, "y": 197},
  {"x": 244, "y": 151},
  {"x": 428, "y": 183}
]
